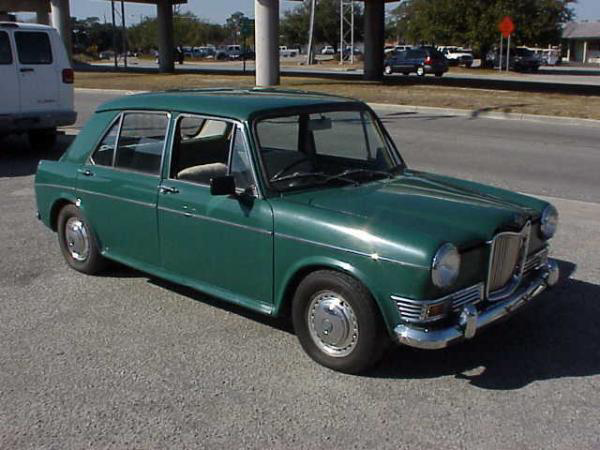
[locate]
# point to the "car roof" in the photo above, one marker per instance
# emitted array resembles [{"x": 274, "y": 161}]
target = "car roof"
[
  {"x": 25, "y": 26},
  {"x": 235, "y": 103}
]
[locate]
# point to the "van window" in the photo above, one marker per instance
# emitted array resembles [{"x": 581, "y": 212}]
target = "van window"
[
  {"x": 141, "y": 142},
  {"x": 5, "y": 53},
  {"x": 33, "y": 47}
]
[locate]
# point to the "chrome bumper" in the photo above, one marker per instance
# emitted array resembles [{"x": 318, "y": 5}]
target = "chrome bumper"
[{"x": 471, "y": 320}]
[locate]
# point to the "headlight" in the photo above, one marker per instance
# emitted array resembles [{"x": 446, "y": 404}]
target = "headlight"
[
  {"x": 549, "y": 221},
  {"x": 445, "y": 266}
]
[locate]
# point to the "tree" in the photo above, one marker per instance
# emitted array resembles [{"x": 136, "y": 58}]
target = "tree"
[
  {"x": 294, "y": 25},
  {"x": 233, "y": 25},
  {"x": 474, "y": 22}
]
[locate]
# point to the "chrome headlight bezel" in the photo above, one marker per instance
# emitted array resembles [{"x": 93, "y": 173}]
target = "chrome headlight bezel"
[
  {"x": 549, "y": 222},
  {"x": 445, "y": 266}
]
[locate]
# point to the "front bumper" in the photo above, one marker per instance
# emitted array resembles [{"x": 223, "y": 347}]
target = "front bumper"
[{"x": 471, "y": 320}]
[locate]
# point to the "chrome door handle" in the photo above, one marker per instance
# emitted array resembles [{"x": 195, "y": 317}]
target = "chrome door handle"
[
  {"x": 168, "y": 190},
  {"x": 86, "y": 172},
  {"x": 27, "y": 69}
]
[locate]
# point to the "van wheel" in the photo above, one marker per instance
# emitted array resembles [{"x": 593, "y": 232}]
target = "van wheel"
[
  {"x": 420, "y": 71},
  {"x": 42, "y": 139},
  {"x": 78, "y": 243},
  {"x": 337, "y": 322},
  {"x": 388, "y": 70}
]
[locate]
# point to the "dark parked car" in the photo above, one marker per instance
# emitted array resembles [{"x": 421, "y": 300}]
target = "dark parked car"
[
  {"x": 417, "y": 60},
  {"x": 521, "y": 60}
]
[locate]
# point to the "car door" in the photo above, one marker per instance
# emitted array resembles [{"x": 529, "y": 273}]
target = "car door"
[
  {"x": 118, "y": 187},
  {"x": 39, "y": 77},
  {"x": 221, "y": 244},
  {"x": 8, "y": 74}
]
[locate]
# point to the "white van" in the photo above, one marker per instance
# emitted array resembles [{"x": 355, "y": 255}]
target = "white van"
[{"x": 36, "y": 82}]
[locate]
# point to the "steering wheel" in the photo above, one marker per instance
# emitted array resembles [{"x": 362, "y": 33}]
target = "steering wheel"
[{"x": 288, "y": 167}]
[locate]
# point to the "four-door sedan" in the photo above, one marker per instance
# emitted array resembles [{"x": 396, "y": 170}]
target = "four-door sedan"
[{"x": 292, "y": 203}]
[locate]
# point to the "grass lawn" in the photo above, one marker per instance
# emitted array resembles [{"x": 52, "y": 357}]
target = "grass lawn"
[{"x": 550, "y": 104}]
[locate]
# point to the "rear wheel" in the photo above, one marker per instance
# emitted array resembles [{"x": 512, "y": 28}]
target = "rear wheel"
[
  {"x": 420, "y": 71},
  {"x": 42, "y": 139},
  {"x": 78, "y": 243},
  {"x": 337, "y": 322}
]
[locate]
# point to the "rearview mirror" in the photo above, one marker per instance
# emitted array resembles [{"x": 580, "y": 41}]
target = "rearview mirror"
[{"x": 222, "y": 185}]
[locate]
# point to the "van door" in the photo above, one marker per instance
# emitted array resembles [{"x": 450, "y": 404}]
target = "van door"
[
  {"x": 9, "y": 87},
  {"x": 37, "y": 71}
]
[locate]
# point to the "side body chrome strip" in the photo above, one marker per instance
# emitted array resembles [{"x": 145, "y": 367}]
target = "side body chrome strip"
[{"x": 123, "y": 199}]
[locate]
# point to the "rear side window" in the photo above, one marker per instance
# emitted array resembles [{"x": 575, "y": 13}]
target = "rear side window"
[
  {"x": 103, "y": 156},
  {"x": 33, "y": 47},
  {"x": 141, "y": 143},
  {"x": 5, "y": 52}
]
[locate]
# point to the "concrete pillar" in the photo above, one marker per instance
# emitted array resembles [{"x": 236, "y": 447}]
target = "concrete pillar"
[
  {"x": 585, "y": 52},
  {"x": 43, "y": 12},
  {"x": 61, "y": 20},
  {"x": 266, "y": 14},
  {"x": 374, "y": 39},
  {"x": 166, "y": 45}
]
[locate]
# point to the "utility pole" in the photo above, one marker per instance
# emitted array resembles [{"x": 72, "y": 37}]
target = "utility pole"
[
  {"x": 311, "y": 28},
  {"x": 124, "y": 34},
  {"x": 347, "y": 29},
  {"x": 114, "y": 29}
]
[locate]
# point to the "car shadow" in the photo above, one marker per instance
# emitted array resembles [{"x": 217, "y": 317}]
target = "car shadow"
[
  {"x": 17, "y": 158},
  {"x": 556, "y": 337}
]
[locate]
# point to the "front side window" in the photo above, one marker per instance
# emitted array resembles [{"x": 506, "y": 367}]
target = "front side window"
[
  {"x": 33, "y": 47},
  {"x": 208, "y": 148},
  {"x": 5, "y": 51},
  {"x": 321, "y": 147},
  {"x": 141, "y": 142}
]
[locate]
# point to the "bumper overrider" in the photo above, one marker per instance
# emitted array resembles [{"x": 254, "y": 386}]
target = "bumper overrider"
[{"x": 471, "y": 320}]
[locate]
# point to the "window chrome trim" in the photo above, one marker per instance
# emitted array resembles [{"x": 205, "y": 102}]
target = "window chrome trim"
[
  {"x": 237, "y": 125},
  {"x": 114, "y": 197},
  {"x": 214, "y": 219},
  {"x": 372, "y": 256},
  {"x": 90, "y": 160}
]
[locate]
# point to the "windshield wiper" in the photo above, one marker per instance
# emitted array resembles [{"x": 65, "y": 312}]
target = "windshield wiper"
[
  {"x": 349, "y": 172},
  {"x": 293, "y": 176}
]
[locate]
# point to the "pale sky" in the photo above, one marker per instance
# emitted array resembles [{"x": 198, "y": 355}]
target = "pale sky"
[{"x": 218, "y": 11}]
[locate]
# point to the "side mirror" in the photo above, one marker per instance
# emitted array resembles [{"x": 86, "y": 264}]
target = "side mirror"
[{"x": 222, "y": 185}]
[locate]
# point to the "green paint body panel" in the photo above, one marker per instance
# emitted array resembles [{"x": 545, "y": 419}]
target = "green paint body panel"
[{"x": 252, "y": 252}]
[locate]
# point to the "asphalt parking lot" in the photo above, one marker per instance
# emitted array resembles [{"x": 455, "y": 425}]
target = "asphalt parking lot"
[{"x": 124, "y": 360}]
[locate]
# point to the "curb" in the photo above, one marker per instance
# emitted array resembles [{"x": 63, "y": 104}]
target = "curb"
[{"x": 474, "y": 114}]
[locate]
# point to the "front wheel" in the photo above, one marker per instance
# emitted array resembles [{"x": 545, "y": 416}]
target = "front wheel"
[
  {"x": 337, "y": 322},
  {"x": 78, "y": 243},
  {"x": 388, "y": 69},
  {"x": 420, "y": 71}
]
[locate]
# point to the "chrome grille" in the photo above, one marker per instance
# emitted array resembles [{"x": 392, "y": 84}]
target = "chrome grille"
[
  {"x": 418, "y": 310},
  {"x": 506, "y": 264},
  {"x": 536, "y": 260}
]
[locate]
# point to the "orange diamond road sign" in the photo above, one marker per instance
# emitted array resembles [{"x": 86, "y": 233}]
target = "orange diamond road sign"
[{"x": 506, "y": 26}]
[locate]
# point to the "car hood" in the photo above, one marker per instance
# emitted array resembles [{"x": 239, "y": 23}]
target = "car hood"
[{"x": 429, "y": 207}]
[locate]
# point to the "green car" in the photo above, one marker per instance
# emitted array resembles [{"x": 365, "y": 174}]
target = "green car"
[{"x": 296, "y": 204}]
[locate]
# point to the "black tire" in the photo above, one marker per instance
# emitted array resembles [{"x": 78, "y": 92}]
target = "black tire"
[
  {"x": 439, "y": 74},
  {"x": 91, "y": 262},
  {"x": 406, "y": 74},
  {"x": 369, "y": 339},
  {"x": 42, "y": 139}
]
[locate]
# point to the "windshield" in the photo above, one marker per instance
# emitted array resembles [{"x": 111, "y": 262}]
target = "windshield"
[
  {"x": 523, "y": 52},
  {"x": 323, "y": 148}
]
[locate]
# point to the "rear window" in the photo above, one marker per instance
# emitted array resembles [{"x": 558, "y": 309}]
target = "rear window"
[
  {"x": 5, "y": 52},
  {"x": 33, "y": 47},
  {"x": 415, "y": 54}
]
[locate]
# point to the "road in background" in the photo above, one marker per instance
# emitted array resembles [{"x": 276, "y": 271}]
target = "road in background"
[{"x": 124, "y": 360}]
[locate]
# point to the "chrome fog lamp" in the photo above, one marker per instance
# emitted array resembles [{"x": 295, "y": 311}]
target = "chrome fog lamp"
[
  {"x": 549, "y": 222},
  {"x": 445, "y": 266}
]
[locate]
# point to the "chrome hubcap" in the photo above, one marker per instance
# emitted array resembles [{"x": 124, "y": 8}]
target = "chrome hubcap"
[
  {"x": 332, "y": 324},
  {"x": 76, "y": 237}
]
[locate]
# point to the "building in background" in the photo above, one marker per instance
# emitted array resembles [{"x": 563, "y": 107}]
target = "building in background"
[{"x": 581, "y": 41}]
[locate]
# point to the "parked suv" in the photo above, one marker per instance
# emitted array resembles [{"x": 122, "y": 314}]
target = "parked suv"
[
  {"x": 421, "y": 61},
  {"x": 36, "y": 83},
  {"x": 521, "y": 60}
]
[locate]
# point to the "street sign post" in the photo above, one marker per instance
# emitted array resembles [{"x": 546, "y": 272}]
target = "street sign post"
[
  {"x": 506, "y": 28},
  {"x": 246, "y": 29}
]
